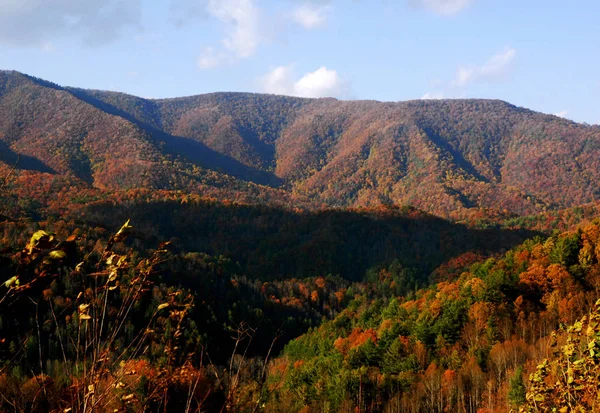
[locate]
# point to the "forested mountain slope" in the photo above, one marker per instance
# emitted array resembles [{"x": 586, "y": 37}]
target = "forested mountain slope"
[
  {"x": 175, "y": 317},
  {"x": 291, "y": 254},
  {"x": 448, "y": 157},
  {"x": 464, "y": 344},
  {"x": 51, "y": 141}
]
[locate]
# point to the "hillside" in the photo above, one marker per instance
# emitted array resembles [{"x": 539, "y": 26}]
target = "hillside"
[
  {"x": 447, "y": 157},
  {"x": 466, "y": 344},
  {"x": 154, "y": 329},
  {"x": 55, "y": 146},
  {"x": 290, "y": 254}
]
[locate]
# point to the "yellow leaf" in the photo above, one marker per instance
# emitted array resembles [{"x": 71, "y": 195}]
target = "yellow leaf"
[
  {"x": 568, "y": 349},
  {"x": 112, "y": 276},
  {"x": 164, "y": 305},
  {"x": 123, "y": 232},
  {"x": 12, "y": 282},
  {"x": 57, "y": 255},
  {"x": 39, "y": 238},
  {"x": 110, "y": 260}
]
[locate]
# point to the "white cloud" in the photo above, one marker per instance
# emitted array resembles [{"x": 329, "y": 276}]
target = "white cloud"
[
  {"x": 38, "y": 22},
  {"x": 243, "y": 18},
  {"x": 323, "y": 82},
  {"x": 443, "y": 7},
  {"x": 433, "y": 95},
  {"x": 495, "y": 68},
  {"x": 279, "y": 81},
  {"x": 242, "y": 21},
  {"x": 311, "y": 15},
  {"x": 320, "y": 83},
  {"x": 562, "y": 114}
]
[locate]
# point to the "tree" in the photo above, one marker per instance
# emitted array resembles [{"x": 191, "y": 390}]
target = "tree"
[{"x": 516, "y": 389}]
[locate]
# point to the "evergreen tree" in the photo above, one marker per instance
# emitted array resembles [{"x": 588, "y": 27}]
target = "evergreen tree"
[{"x": 516, "y": 390}]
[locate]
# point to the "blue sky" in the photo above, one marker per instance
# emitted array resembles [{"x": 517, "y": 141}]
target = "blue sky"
[{"x": 544, "y": 55}]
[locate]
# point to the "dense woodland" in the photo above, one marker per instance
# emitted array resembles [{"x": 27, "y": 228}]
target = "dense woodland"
[
  {"x": 451, "y": 158},
  {"x": 245, "y": 253},
  {"x": 464, "y": 344}
]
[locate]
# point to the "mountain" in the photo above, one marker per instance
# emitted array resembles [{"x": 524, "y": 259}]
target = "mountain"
[
  {"x": 56, "y": 147},
  {"x": 448, "y": 157},
  {"x": 287, "y": 254}
]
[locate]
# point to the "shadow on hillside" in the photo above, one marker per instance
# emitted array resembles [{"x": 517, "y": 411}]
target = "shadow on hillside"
[
  {"x": 271, "y": 243},
  {"x": 22, "y": 162},
  {"x": 267, "y": 244},
  {"x": 459, "y": 159},
  {"x": 190, "y": 149}
]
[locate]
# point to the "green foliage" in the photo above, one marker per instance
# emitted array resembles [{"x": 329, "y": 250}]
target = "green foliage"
[
  {"x": 566, "y": 250},
  {"x": 452, "y": 345},
  {"x": 516, "y": 390}
]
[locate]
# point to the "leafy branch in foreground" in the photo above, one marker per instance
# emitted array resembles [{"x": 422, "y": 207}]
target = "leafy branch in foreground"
[
  {"x": 570, "y": 382},
  {"x": 95, "y": 335}
]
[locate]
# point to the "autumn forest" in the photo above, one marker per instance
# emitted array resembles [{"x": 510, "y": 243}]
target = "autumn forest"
[{"x": 237, "y": 252}]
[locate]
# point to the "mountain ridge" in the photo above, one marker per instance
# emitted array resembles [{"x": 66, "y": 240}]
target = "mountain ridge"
[
  {"x": 448, "y": 157},
  {"x": 48, "y": 83}
]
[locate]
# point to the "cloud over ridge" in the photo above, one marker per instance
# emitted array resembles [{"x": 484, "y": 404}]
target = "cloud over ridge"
[{"x": 323, "y": 82}]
